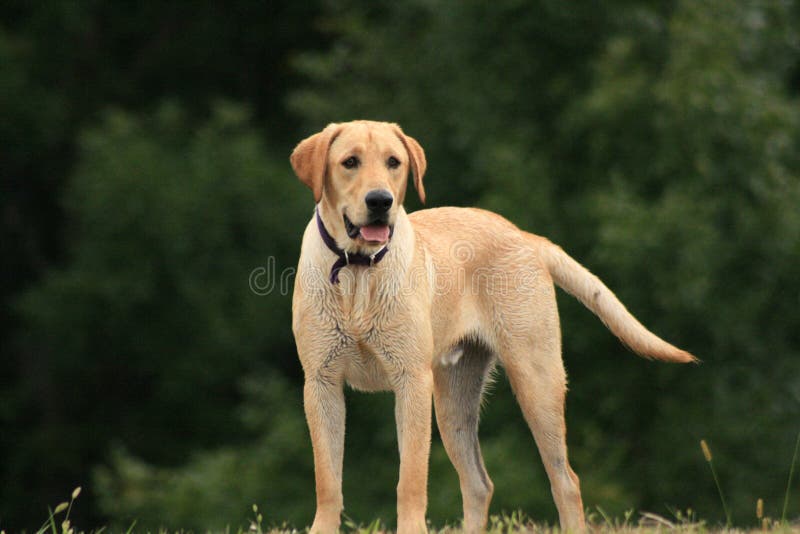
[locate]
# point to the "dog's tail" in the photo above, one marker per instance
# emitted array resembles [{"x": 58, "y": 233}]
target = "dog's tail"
[{"x": 575, "y": 279}]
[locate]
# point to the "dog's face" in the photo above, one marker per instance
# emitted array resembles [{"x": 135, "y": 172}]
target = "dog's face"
[{"x": 358, "y": 172}]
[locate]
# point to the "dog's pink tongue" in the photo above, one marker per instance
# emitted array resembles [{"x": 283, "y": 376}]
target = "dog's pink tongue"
[{"x": 375, "y": 232}]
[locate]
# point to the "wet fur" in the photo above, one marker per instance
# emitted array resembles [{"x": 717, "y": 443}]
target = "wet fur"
[{"x": 393, "y": 326}]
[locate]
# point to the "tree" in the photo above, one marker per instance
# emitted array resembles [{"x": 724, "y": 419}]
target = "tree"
[
  {"x": 64, "y": 65},
  {"x": 157, "y": 317},
  {"x": 658, "y": 145},
  {"x": 656, "y": 142}
]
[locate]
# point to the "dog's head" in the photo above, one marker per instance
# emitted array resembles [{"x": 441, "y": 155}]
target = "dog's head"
[{"x": 358, "y": 172}]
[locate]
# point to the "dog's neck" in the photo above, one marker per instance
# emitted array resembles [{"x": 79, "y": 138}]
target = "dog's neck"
[
  {"x": 338, "y": 257},
  {"x": 345, "y": 258}
]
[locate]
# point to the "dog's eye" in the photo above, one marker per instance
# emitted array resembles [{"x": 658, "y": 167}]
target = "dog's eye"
[
  {"x": 393, "y": 162},
  {"x": 351, "y": 162}
]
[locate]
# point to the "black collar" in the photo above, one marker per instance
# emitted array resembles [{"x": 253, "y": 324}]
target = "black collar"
[{"x": 344, "y": 257}]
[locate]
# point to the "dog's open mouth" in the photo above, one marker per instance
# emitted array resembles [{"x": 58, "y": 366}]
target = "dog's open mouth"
[{"x": 376, "y": 232}]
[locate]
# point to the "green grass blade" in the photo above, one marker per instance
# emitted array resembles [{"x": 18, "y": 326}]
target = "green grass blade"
[
  {"x": 789, "y": 482},
  {"x": 710, "y": 460},
  {"x": 605, "y": 516}
]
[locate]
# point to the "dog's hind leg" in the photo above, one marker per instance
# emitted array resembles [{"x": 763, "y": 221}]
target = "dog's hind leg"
[
  {"x": 458, "y": 386},
  {"x": 531, "y": 356}
]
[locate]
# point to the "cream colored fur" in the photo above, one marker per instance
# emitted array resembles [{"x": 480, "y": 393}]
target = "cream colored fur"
[{"x": 459, "y": 290}]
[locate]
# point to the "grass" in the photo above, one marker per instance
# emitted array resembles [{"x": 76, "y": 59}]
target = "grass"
[
  {"x": 710, "y": 459},
  {"x": 791, "y": 474},
  {"x": 642, "y": 523},
  {"x": 598, "y": 521},
  {"x": 765, "y": 521}
]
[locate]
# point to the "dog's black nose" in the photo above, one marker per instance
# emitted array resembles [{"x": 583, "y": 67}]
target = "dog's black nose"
[{"x": 379, "y": 200}]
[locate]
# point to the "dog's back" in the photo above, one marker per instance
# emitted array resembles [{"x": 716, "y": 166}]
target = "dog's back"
[{"x": 488, "y": 253}]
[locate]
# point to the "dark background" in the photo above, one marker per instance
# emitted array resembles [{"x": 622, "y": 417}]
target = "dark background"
[{"x": 145, "y": 178}]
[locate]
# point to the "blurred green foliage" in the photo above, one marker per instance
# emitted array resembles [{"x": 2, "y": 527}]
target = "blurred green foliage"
[{"x": 146, "y": 179}]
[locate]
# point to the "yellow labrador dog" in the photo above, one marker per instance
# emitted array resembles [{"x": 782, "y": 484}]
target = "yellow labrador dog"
[{"x": 424, "y": 305}]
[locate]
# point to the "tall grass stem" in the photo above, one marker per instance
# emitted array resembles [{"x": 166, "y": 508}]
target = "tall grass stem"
[
  {"x": 789, "y": 482},
  {"x": 707, "y": 454}
]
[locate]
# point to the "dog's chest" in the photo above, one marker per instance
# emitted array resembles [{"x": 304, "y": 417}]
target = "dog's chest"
[
  {"x": 364, "y": 356},
  {"x": 360, "y": 306},
  {"x": 365, "y": 370},
  {"x": 365, "y": 318}
]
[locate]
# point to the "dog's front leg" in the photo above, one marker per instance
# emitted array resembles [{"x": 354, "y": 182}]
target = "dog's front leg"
[
  {"x": 413, "y": 393},
  {"x": 325, "y": 411}
]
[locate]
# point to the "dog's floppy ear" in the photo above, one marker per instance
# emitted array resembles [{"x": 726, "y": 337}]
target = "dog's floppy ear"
[
  {"x": 418, "y": 162},
  {"x": 310, "y": 158}
]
